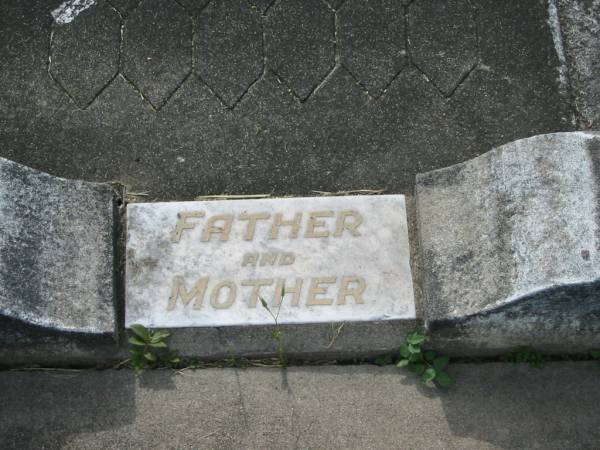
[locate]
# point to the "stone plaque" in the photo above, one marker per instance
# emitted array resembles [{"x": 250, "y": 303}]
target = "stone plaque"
[{"x": 216, "y": 263}]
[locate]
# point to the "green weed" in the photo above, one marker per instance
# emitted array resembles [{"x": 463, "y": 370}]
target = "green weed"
[
  {"x": 427, "y": 364},
  {"x": 595, "y": 354},
  {"x": 277, "y": 334},
  {"x": 149, "y": 349},
  {"x": 525, "y": 354}
]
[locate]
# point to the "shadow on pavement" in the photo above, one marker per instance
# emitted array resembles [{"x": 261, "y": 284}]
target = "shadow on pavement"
[{"x": 42, "y": 410}]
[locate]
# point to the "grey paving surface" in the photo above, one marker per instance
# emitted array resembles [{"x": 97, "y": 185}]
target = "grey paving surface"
[
  {"x": 189, "y": 98},
  {"x": 580, "y": 27},
  {"x": 498, "y": 406}
]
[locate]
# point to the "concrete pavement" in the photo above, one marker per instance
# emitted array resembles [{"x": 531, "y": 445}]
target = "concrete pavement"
[{"x": 492, "y": 405}]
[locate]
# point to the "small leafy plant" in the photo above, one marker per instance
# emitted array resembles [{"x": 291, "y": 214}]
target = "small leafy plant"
[
  {"x": 149, "y": 349},
  {"x": 595, "y": 354},
  {"x": 276, "y": 334},
  {"x": 427, "y": 364},
  {"x": 525, "y": 354}
]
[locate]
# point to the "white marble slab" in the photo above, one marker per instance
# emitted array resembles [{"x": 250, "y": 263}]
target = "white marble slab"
[{"x": 195, "y": 264}]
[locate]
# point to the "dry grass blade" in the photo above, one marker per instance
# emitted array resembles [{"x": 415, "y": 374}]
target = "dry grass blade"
[
  {"x": 138, "y": 194},
  {"x": 132, "y": 197},
  {"x": 352, "y": 192},
  {"x": 48, "y": 369},
  {"x": 231, "y": 196},
  {"x": 207, "y": 435},
  {"x": 335, "y": 333},
  {"x": 268, "y": 362},
  {"x": 120, "y": 364}
]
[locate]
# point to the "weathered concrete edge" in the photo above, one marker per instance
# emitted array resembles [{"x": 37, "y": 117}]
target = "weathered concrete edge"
[
  {"x": 456, "y": 337},
  {"x": 46, "y": 180},
  {"x": 307, "y": 342},
  {"x": 311, "y": 341},
  {"x": 512, "y": 325},
  {"x": 25, "y": 342},
  {"x": 24, "y": 345}
]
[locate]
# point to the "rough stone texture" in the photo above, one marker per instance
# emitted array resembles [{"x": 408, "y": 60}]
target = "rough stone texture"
[
  {"x": 300, "y": 43},
  {"x": 492, "y": 406},
  {"x": 335, "y": 4},
  {"x": 578, "y": 25},
  {"x": 157, "y": 49},
  {"x": 125, "y": 6},
  {"x": 308, "y": 342},
  {"x": 56, "y": 261},
  {"x": 262, "y": 5},
  {"x": 443, "y": 41},
  {"x": 510, "y": 246},
  {"x": 228, "y": 50},
  {"x": 338, "y": 139},
  {"x": 195, "y": 7},
  {"x": 373, "y": 42},
  {"x": 84, "y": 56}
]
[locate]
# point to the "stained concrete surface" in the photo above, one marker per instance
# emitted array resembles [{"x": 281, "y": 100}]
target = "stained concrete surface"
[
  {"x": 491, "y": 406},
  {"x": 179, "y": 99}
]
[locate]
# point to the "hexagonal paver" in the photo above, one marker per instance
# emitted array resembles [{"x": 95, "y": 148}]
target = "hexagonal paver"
[
  {"x": 228, "y": 51},
  {"x": 300, "y": 41},
  {"x": 335, "y": 4},
  {"x": 194, "y": 6},
  {"x": 157, "y": 48},
  {"x": 84, "y": 53},
  {"x": 125, "y": 6},
  {"x": 443, "y": 40},
  {"x": 372, "y": 41},
  {"x": 262, "y": 5}
]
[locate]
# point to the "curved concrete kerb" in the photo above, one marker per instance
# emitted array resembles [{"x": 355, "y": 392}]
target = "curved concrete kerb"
[
  {"x": 509, "y": 243},
  {"x": 510, "y": 246},
  {"x": 56, "y": 251}
]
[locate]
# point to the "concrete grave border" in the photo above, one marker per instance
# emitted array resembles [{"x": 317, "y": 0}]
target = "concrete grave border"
[
  {"x": 58, "y": 277},
  {"x": 508, "y": 248}
]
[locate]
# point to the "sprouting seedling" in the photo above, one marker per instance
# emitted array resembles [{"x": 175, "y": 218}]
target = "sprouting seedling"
[
  {"x": 425, "y": 363},
  {"x": 149, "y": 348},
  {"x": 595, "y": 354},
  {"x": 525, "y": 354},
  {"x": 265, "y": 305},
  {"x": 277, "y": 334}
]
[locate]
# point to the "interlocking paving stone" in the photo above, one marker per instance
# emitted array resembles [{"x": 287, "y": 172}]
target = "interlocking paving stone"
[
  {"x": 443, "y": 40},
  {"x": 157, "y": 48},
  {"x": 337, "y": 139},
  {"x": 262, "y": 5},
  {"x": 335, "y": 4},
  {"x": 125, "y": 6},
  {"x": 372, "y": 41},
  {"x": 85, "y": 52},
  {"x": 579, "y": 22},
  {"x": 300, "y": 43},
  {"x": 228, "y": 50},
  {"x": 195, "y": 6}
]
